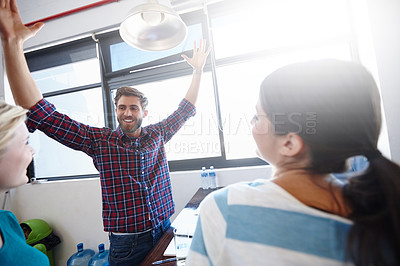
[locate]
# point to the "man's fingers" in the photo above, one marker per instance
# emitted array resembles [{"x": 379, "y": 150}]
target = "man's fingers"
[
  {"x": 203, "y": 45},
  {"x": 194, "y": 47},
  {"x": 208, "y": 50},
  {"x": 13, "y": 5},
  {"x": 36, "y": 27},
  {"x": 184, "y": 57}
]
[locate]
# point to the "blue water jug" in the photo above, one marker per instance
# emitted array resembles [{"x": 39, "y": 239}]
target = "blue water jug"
[
  {"x": 80, "y": 258},
  {"x": 101, "y": 258}
]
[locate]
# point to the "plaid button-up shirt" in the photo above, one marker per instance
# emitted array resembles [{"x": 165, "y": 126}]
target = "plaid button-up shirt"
[{"x": 136, "y": 186}]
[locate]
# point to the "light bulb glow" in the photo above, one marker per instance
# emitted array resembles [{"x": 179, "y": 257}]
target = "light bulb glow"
[{"x": 153, "y": 18}]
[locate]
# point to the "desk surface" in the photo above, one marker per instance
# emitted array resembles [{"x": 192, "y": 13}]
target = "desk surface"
[{"x": 157, "y": 253}]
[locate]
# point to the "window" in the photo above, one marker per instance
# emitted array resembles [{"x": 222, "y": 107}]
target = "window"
[
  {"x": 250, "y": 40},
  {"x": 257, "y": 26},
  {"x": 69, "y": 77},
  {"x": 55, "y": 160}
]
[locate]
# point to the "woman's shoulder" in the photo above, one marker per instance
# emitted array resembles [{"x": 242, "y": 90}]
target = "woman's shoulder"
[
  {"x": 5, "y": 213},
  {"x": 7, "y": 217},
  {"x": 8, "y": 221},
  {"x": 15, "y": 250}
]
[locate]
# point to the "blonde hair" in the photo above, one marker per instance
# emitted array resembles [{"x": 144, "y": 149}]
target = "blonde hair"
[{"x": 10, "y": 118}]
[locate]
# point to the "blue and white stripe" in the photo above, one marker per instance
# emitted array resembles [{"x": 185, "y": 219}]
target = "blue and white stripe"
[{"x": 259, "y": 223}]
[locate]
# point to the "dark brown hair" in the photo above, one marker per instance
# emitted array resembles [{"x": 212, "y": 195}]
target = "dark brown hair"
[
  {"x": 129, "y": 91},
  {"x": 335, "y": 107}
]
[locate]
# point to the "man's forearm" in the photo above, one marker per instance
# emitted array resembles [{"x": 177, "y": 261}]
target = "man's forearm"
[
  {"x": 193, "y": 91},
  {"x": 23, "y": 87}
]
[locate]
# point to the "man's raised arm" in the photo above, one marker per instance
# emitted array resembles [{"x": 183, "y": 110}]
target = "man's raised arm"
[
  {"x": 13, "y": 35},
  {"x": 197, "y": 62}
]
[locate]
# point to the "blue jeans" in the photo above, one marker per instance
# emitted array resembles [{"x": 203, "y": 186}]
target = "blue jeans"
[{"x": 132, "y": 249}]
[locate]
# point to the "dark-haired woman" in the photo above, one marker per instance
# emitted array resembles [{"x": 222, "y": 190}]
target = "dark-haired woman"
[{"x": 310, "y": 118}]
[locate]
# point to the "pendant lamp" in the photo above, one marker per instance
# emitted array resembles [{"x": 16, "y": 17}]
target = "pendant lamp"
[{"x": 153, "y": 27}]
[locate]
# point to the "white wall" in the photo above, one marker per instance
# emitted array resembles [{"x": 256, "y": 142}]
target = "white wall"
[
  {"x": 75, "y": 25},
  {"x": 73, "y": 208},
  {"x": 385, "y": 25}
]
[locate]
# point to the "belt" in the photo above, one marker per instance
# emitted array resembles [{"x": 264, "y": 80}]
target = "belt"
[
  {"x": 144, "y": 232},
  {"x": 129, "y": 234}
]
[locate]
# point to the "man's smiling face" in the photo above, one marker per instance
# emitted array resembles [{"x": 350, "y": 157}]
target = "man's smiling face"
[{"x": 130, "y": 115}]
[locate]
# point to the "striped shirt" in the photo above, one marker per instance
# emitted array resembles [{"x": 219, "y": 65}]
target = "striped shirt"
[
  {"x": 134, "y": 174},
  {"x": 259, "y": 223}
]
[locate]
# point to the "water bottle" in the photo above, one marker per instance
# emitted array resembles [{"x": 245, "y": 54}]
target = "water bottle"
[
  {"x": 80, "y": 258},
  {"x": 213, "y": 177},
  {"x": 204, "y": 178},
  {"x": 101, "y": 258}
]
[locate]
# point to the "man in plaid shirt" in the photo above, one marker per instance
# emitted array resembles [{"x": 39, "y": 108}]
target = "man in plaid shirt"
[{"x": 136, "y": 187}]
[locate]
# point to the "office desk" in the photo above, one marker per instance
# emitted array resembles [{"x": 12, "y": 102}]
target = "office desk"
[{"x": 157, "y": 253}]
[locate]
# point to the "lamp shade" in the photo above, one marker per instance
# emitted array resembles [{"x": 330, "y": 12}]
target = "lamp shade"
[{"x": 153, "y": 27}]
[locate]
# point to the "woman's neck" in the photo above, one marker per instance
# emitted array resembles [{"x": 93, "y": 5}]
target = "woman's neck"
[{"x": 323, "y": 192}]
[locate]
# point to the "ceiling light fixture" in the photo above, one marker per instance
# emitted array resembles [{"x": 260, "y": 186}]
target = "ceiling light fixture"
[{"x": 153, "y": 27}]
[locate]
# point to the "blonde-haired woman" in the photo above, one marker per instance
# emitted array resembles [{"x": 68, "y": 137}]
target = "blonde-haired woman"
[{"x": 15, "y": 156}]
